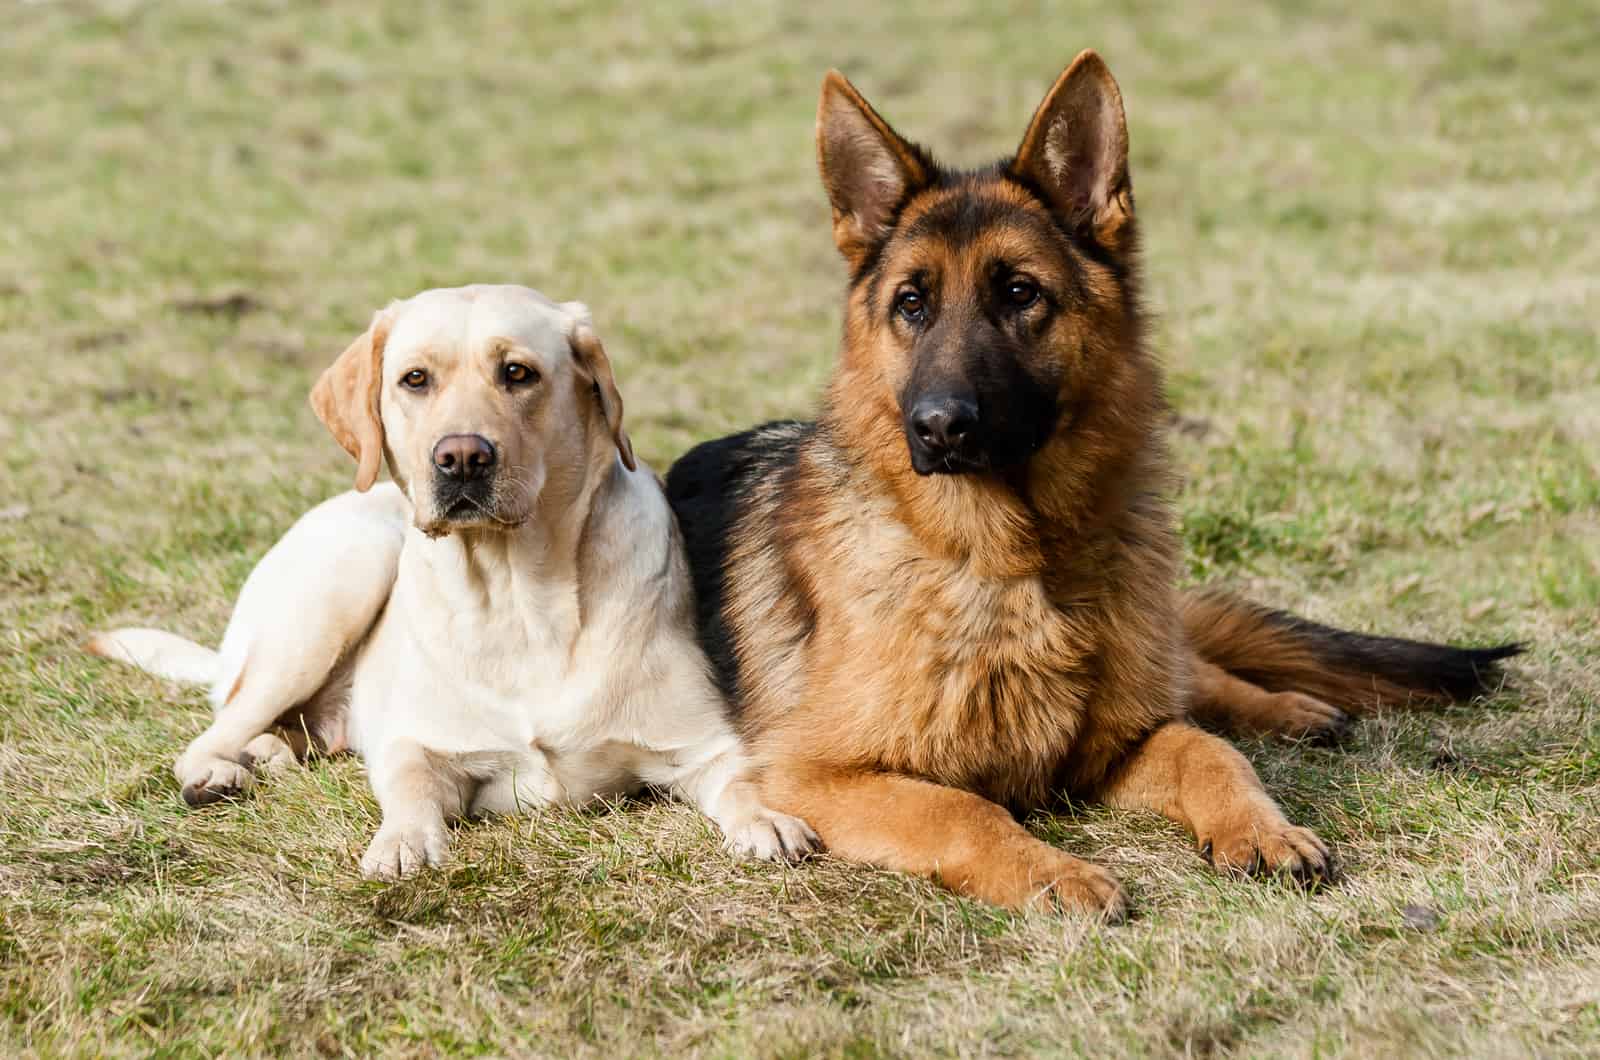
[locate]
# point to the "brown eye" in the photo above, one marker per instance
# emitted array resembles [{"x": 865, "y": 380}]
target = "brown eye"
[
  {"x": 1022, "y": 293},
  {"x": 517, "y": 374},
  {"x": 415, "y": 379},
  {"x": 911, "y": 306}
]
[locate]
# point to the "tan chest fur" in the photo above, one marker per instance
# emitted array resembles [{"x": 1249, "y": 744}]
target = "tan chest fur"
[{"x": 918, "y": 664}]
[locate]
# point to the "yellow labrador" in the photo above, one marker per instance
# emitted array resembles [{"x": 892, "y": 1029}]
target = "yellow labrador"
[{"x": 510, "y": 623}]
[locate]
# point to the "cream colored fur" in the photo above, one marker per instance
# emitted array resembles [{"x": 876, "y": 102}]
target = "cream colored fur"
[{"x": 537, "y": 648}]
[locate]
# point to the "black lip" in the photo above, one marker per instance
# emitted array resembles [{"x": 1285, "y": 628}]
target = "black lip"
[
  {"x": 463, "y": 501},
  {"x": 925, "y": 461}
]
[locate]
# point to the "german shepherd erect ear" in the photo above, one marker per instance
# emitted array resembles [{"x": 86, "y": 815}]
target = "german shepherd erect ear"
[
  {"x": 1076, "y": 151},
  {"x": 345, "y": 399},
  {"x": 867, "y": 168}
]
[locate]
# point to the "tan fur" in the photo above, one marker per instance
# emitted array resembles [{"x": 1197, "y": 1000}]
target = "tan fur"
[
  {"x": 1223, "y": 700},
  {"x": 921, "y": 654},
  {"x": 345, "y": 399},
  {"x": 1201, "y": 782},
  {"x": 1056, "y": 153},
  {"x": 848, "y": 131},
  {"x": 487, "y": 641},
  {"x": 1237, "y": 638},
  {"x": 592, "y": 356}
]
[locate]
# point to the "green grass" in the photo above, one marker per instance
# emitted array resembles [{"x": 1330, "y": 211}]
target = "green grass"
[{"x": 1371, "y": 248}]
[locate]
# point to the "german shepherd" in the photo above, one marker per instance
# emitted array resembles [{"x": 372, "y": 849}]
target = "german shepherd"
[{"x": 953, "y": 597}]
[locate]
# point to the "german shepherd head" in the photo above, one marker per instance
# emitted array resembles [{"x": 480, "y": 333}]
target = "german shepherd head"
[{"x": 993, "y": 315}]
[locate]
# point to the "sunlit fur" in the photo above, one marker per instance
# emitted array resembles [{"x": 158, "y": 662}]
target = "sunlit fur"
[
  {"x": 914, "y": 655},
  {"x": 538, "y": 648}
]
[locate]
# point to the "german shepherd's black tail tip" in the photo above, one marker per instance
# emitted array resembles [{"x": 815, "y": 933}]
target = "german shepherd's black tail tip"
[
  {"x": 1420, "y": 667},
  {"x": 1283, "y": 652}
]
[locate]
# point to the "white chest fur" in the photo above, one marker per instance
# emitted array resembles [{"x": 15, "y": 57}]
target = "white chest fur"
[{"x": 493, "y": 655}]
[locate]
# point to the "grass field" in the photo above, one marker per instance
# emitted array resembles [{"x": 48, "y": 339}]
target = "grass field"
[{"x": 1373, "y": 241}]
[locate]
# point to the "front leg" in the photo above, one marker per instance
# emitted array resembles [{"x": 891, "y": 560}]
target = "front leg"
[
  {"x": 972, "y": 845},
  {"x": 310, "y": 601},
  {"x": 417, "y": 791},
  {"x": 723, "y": 791},
  {"x": 1203, "y": 783}
]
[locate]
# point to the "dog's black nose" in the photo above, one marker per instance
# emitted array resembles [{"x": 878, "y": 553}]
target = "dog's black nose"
[
  {"x": 944, "y": 422},
  {"x": 463, "y": 456}
]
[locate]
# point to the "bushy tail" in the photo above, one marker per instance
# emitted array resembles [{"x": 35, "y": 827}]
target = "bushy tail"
[
  {"x": 1281, "y": 652},
  {"x": 155, "y": 651}
]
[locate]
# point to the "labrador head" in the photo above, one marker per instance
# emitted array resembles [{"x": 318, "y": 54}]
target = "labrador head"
[{"x": 485, "y": 400}]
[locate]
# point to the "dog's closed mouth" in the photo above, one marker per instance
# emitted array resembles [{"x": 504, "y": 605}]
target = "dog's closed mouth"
[
  {"x": 457, "y": 503},
  {"x": 949, "y": 463},
  {"x": 957, "y": 464},
  {"x": 466, "y": 512},
  {"x": 451, "y": 515}
]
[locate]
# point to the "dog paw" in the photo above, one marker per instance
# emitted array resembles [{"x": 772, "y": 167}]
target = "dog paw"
[
  {"x": 772, "y": 836},
  {"x": 267, "y": 752},
  {"x": 1304, "y": 717},
  {"x": 1041, "y": 878},
  {"x": 398, "y": 851},
  {"x": 1273, "y": 850},
  {"x": 213, "y": 780},
  {"x": 1071, "y": 884}
]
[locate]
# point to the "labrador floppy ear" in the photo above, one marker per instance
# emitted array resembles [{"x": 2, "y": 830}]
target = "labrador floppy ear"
[
  {"x": 1076, "y": 151},
  {"x": 588, "y": 352},
  {"x": 345, "y": 399}
]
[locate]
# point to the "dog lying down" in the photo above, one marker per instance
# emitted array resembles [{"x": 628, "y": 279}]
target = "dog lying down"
[{"x": 509, "y": 623}]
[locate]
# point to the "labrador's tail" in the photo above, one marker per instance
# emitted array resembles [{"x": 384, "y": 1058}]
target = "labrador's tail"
[{"x": 158, "y": 652}]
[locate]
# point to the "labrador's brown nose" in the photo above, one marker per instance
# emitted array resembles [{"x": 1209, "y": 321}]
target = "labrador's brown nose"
[{"x": 463, "y": 456}]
